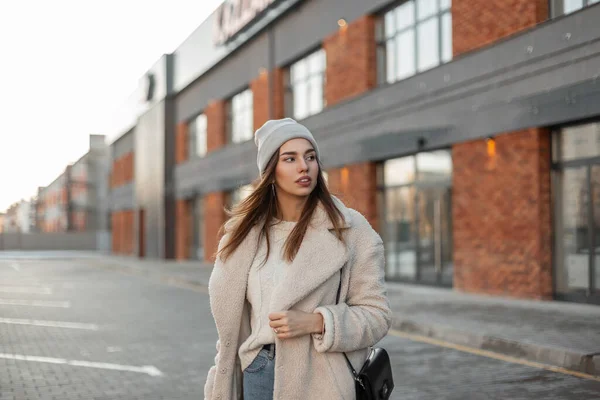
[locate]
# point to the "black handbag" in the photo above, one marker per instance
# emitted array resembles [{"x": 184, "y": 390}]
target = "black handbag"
[{"x": 374, "y": 381}]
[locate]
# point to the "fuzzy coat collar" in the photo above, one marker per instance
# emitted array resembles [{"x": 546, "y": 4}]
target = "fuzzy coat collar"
[{"x": 320, "y": 255}]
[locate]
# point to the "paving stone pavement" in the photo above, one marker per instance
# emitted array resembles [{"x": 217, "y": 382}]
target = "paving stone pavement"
[
  {"x": 143, "y": 320},
  {"x": 551, "y": 332}
]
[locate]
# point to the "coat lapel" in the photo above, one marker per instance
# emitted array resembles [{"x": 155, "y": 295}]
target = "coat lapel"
[
  {"x": 230, "y": 279},
  {"x": 320, "y": 256}
]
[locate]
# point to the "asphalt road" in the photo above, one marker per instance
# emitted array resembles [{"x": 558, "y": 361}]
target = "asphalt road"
[{"x": 69, "y": 330}]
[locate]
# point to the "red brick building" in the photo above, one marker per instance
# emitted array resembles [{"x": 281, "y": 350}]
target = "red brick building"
[{"x": 464, "y": 130}]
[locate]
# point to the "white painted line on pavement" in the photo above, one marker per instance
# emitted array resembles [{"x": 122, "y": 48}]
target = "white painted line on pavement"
[
  {"x": 52, "y": 324},
  {"x": 16, "y": 267},
  {"x": 146, "y": 369},
  {"x": 25, "y": 289},
  {"x": 35, "y": 303}
]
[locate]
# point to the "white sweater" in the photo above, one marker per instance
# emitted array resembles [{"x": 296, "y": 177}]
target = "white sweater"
[{"x": 262, "y": 279}]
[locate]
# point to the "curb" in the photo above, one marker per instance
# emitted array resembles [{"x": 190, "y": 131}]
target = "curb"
[
  {"x": 554, "y": 356},
  {"x": 550, "y": 355}
]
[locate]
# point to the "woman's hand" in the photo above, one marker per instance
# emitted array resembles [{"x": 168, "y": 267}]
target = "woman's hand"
[{"x": 291, "y": 324}]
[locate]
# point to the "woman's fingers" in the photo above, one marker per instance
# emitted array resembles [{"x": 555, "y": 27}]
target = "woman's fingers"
[{"x": 277, "y": 323}]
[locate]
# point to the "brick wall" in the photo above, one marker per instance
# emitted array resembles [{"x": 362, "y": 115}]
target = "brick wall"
[
  {"x": 501, "y": 216},
  {"x": 351, "y": 61},
  {"x": 122, "y": 171},
  {"x": 122, "y": 232},
  {"x": 260, "y": 93},
  {"x": 260, "y": 99},
  {"x": 356, "y": 186},
  {"x": 183, "y": 229},
  {"x": 214, "y": 217},
  {"x": 279, "y": 93},
  {"x": 477, "y": 23},
  {"x": 181, "y": 143},
  {"x": 501, "y": 203},
  {"x": 352, "y": 70},
  {"x": 215, "y": 129}
]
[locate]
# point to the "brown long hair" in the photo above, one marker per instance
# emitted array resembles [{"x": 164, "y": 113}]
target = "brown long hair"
[{"x": 261, "y": 207}]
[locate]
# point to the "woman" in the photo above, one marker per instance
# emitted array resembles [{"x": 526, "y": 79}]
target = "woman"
[{"x": 274, "y": 284}]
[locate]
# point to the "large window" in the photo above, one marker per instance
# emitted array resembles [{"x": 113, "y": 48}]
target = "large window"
[
  {"x": 576, "y": 178},
  {"x": 414, "y": 37},
  {"x": 197, "y": 135},
  {"x": 305, "y": 86},
  {"x": 415, "y": 199},
  {"x": 240, "y": 120},
  {"x": 561, "y": 7}
]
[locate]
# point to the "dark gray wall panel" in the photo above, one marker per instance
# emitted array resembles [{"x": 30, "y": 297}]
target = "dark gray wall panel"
[
  {"x": 507, "y": 87},
  {"x": 233, "y": 74},
  {"x": 309, "y": 23},
  {"x": 149, "y": 177},
  {"x": 169, "y": 184},
  {"x": 222, "y": 170}
]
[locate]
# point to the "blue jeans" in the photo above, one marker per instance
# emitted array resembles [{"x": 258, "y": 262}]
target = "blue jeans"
[{"x": 259, "y": 376}]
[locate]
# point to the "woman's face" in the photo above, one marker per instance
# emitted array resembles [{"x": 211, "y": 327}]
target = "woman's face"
[{"x": 297, "y": 168}]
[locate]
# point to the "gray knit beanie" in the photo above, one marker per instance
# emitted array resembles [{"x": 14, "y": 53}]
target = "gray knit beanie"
[{"x": 273, "y": 134}]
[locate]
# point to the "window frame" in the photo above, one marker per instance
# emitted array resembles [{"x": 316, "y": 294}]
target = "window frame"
[
  {"x": 229, "y": 117},
  {"x": 557, "y": 7},
  {"x": 381, "y": 40},
  {"x": 193, "y": 136},
  {"x": 289, "y": 105}
]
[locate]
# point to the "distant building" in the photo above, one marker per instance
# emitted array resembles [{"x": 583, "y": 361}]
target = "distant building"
[
  {"x": 18, "y": 218},
  {"x": 77, "y": 199}
]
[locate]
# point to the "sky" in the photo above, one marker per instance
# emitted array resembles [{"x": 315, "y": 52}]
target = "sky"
[{"x": 65, "y": 66}]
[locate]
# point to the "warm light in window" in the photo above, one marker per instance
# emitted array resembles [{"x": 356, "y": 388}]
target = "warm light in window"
[
  {"x": 491, "y": 147},
  {"x": 345, "y": 174}
]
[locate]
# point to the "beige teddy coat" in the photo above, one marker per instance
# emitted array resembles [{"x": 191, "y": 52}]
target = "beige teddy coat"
[{"x": 307, "y": 367}]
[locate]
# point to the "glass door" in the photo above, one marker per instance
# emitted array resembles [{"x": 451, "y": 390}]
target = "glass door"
[
  {"x": 578, "y": 234},
  {"x": 399, "y": 233},
  {"x": 416, "y": 220},
  {"x": 434, "y": 237}
]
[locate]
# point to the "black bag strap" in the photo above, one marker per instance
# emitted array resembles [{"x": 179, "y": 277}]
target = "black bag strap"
[{"x": 337, "y": 300}]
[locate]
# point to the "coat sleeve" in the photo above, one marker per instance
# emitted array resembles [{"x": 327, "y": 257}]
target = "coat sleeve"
[{"x": 365, "y": 317}]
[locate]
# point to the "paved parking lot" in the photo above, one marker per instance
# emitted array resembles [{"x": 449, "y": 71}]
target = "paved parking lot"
[{"x": 69, "y": 330}]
